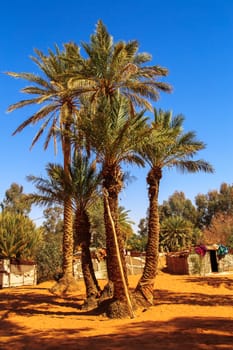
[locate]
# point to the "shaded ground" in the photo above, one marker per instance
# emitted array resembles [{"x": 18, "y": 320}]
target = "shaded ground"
[{"x": 189, "y": 313}]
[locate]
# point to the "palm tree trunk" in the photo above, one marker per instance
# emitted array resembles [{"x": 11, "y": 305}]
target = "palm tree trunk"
[
  {"x": 83, "y": 238},
  {"x": 145, "y": 285},
  {"x": 67, "y": 282},
  {"x": 68, "y": 240},
  {"x": 122, "y": 274},
  {"x": 114, "y": 274},
  {"x": 112, "y": 186}
]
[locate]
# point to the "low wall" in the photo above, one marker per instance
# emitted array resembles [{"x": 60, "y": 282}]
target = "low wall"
[
  {"x": 14, "y": 275},
  {"x": 134, "y": 266}
]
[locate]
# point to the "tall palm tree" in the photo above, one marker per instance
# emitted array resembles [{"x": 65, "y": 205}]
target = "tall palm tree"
[
  {"x": 82, "y": 191},
  {"x": 58, "y": 107},
  {"x": 86, "y": 182},
  {"x": 57, "y": 189},
  {"x": 109, "y": 72},
  {"x": 165, "y": 147},
  {"x": 113, "y": 136}
]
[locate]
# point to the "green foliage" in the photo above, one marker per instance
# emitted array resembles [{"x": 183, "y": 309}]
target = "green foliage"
[
  {"x": 50, "y": 92},
  {"x": 176, "y": 234},
  {"x": 96, "y": 215},
  {"x": 81, "y": 186},
  {"x": 125, "y": 224},
  {"x": 19, "y": 237},
  {"x": 112, "y": 134},
  {"x": 214, "y": 202},
  {"x": 136, "y": 243},
  {"x": 167, "y": 146},
  {"x": 178, "y": 205},
  {"x": 16, "y": 201},
  {"x": 53, "y": 220},
  {"x": 117, "y": 68},
  {"x": 143, "y": 227},
  {"x": 49, "y": 258}
]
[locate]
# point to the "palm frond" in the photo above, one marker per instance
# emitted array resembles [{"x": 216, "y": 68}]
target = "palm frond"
[
  {"x": 30, "y": 77},
  {"x": 168, "y": 146},
  {"x": 22, "y": 103},
  {"x": 193, "y": 166},
  {"x": 35, "y": 118}
]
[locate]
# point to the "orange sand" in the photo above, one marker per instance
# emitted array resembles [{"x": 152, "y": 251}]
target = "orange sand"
[{"x": 189, "y": 313}]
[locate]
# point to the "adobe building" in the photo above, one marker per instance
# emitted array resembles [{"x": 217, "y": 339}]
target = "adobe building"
[{"x": 193, "y": 263}]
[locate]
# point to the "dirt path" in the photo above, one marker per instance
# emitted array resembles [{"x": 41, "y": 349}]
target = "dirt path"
[{"x": 189, "y": 313}]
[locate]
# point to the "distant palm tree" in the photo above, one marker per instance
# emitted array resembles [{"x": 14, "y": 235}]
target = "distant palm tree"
[
  {"x": 166, "y": 147},
  {"x": 125, "y": 223},
  {"x": 176, "y": 233},
  {"x": 58, "y": 107}
]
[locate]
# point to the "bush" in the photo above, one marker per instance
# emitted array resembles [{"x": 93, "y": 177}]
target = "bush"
[{"x": 49, "y": 258}]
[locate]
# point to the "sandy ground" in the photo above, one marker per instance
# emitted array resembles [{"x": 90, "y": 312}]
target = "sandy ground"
[{"x": 190, "y": 312}]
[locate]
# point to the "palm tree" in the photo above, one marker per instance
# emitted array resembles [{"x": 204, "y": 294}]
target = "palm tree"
[
  {"x": 85, "y": 192},
  {"x": 125, "y": 224},
  {"x": 82, "y": 191},
  {"x": 112, "y": 71},
  {"x": 57, "y": 108},
  {"x": 57, "y": 189},
  {"x": 113, "y": 136},
  {"x": 176, "y": 233},
  {"x": 165, "y": 147}
]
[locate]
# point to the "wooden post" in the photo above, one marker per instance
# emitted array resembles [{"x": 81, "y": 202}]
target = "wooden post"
[{"x": 105, "y": 192}]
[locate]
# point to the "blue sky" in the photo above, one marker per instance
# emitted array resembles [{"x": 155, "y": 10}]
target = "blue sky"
[{"x": 192, "y": 38}]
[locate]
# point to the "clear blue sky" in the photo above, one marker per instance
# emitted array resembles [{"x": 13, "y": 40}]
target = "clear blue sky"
[{"x": 192, "y": 38}]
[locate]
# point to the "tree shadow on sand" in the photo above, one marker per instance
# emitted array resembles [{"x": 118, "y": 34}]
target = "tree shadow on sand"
[
  {"x": 192, "y": 333},
  {"x": 213, "y": 281},
  {"x": 35, "y": 303},
  {"x": 179, "y": 333},
  {"x": 163, "y": 296},
  {"x": 39, "y": 304}
]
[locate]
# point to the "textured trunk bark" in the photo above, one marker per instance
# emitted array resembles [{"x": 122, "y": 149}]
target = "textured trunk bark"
[
  {"x": 123, "y": 274},
  {"x": 112, "y": 186},
  {"x": 67, "y": 283},
  {"x": 145, "y": 285},
  {"x": 68, "y": 240},
  {"x": 83, "y": 238},
  {"x": 113, "y": 268}
]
